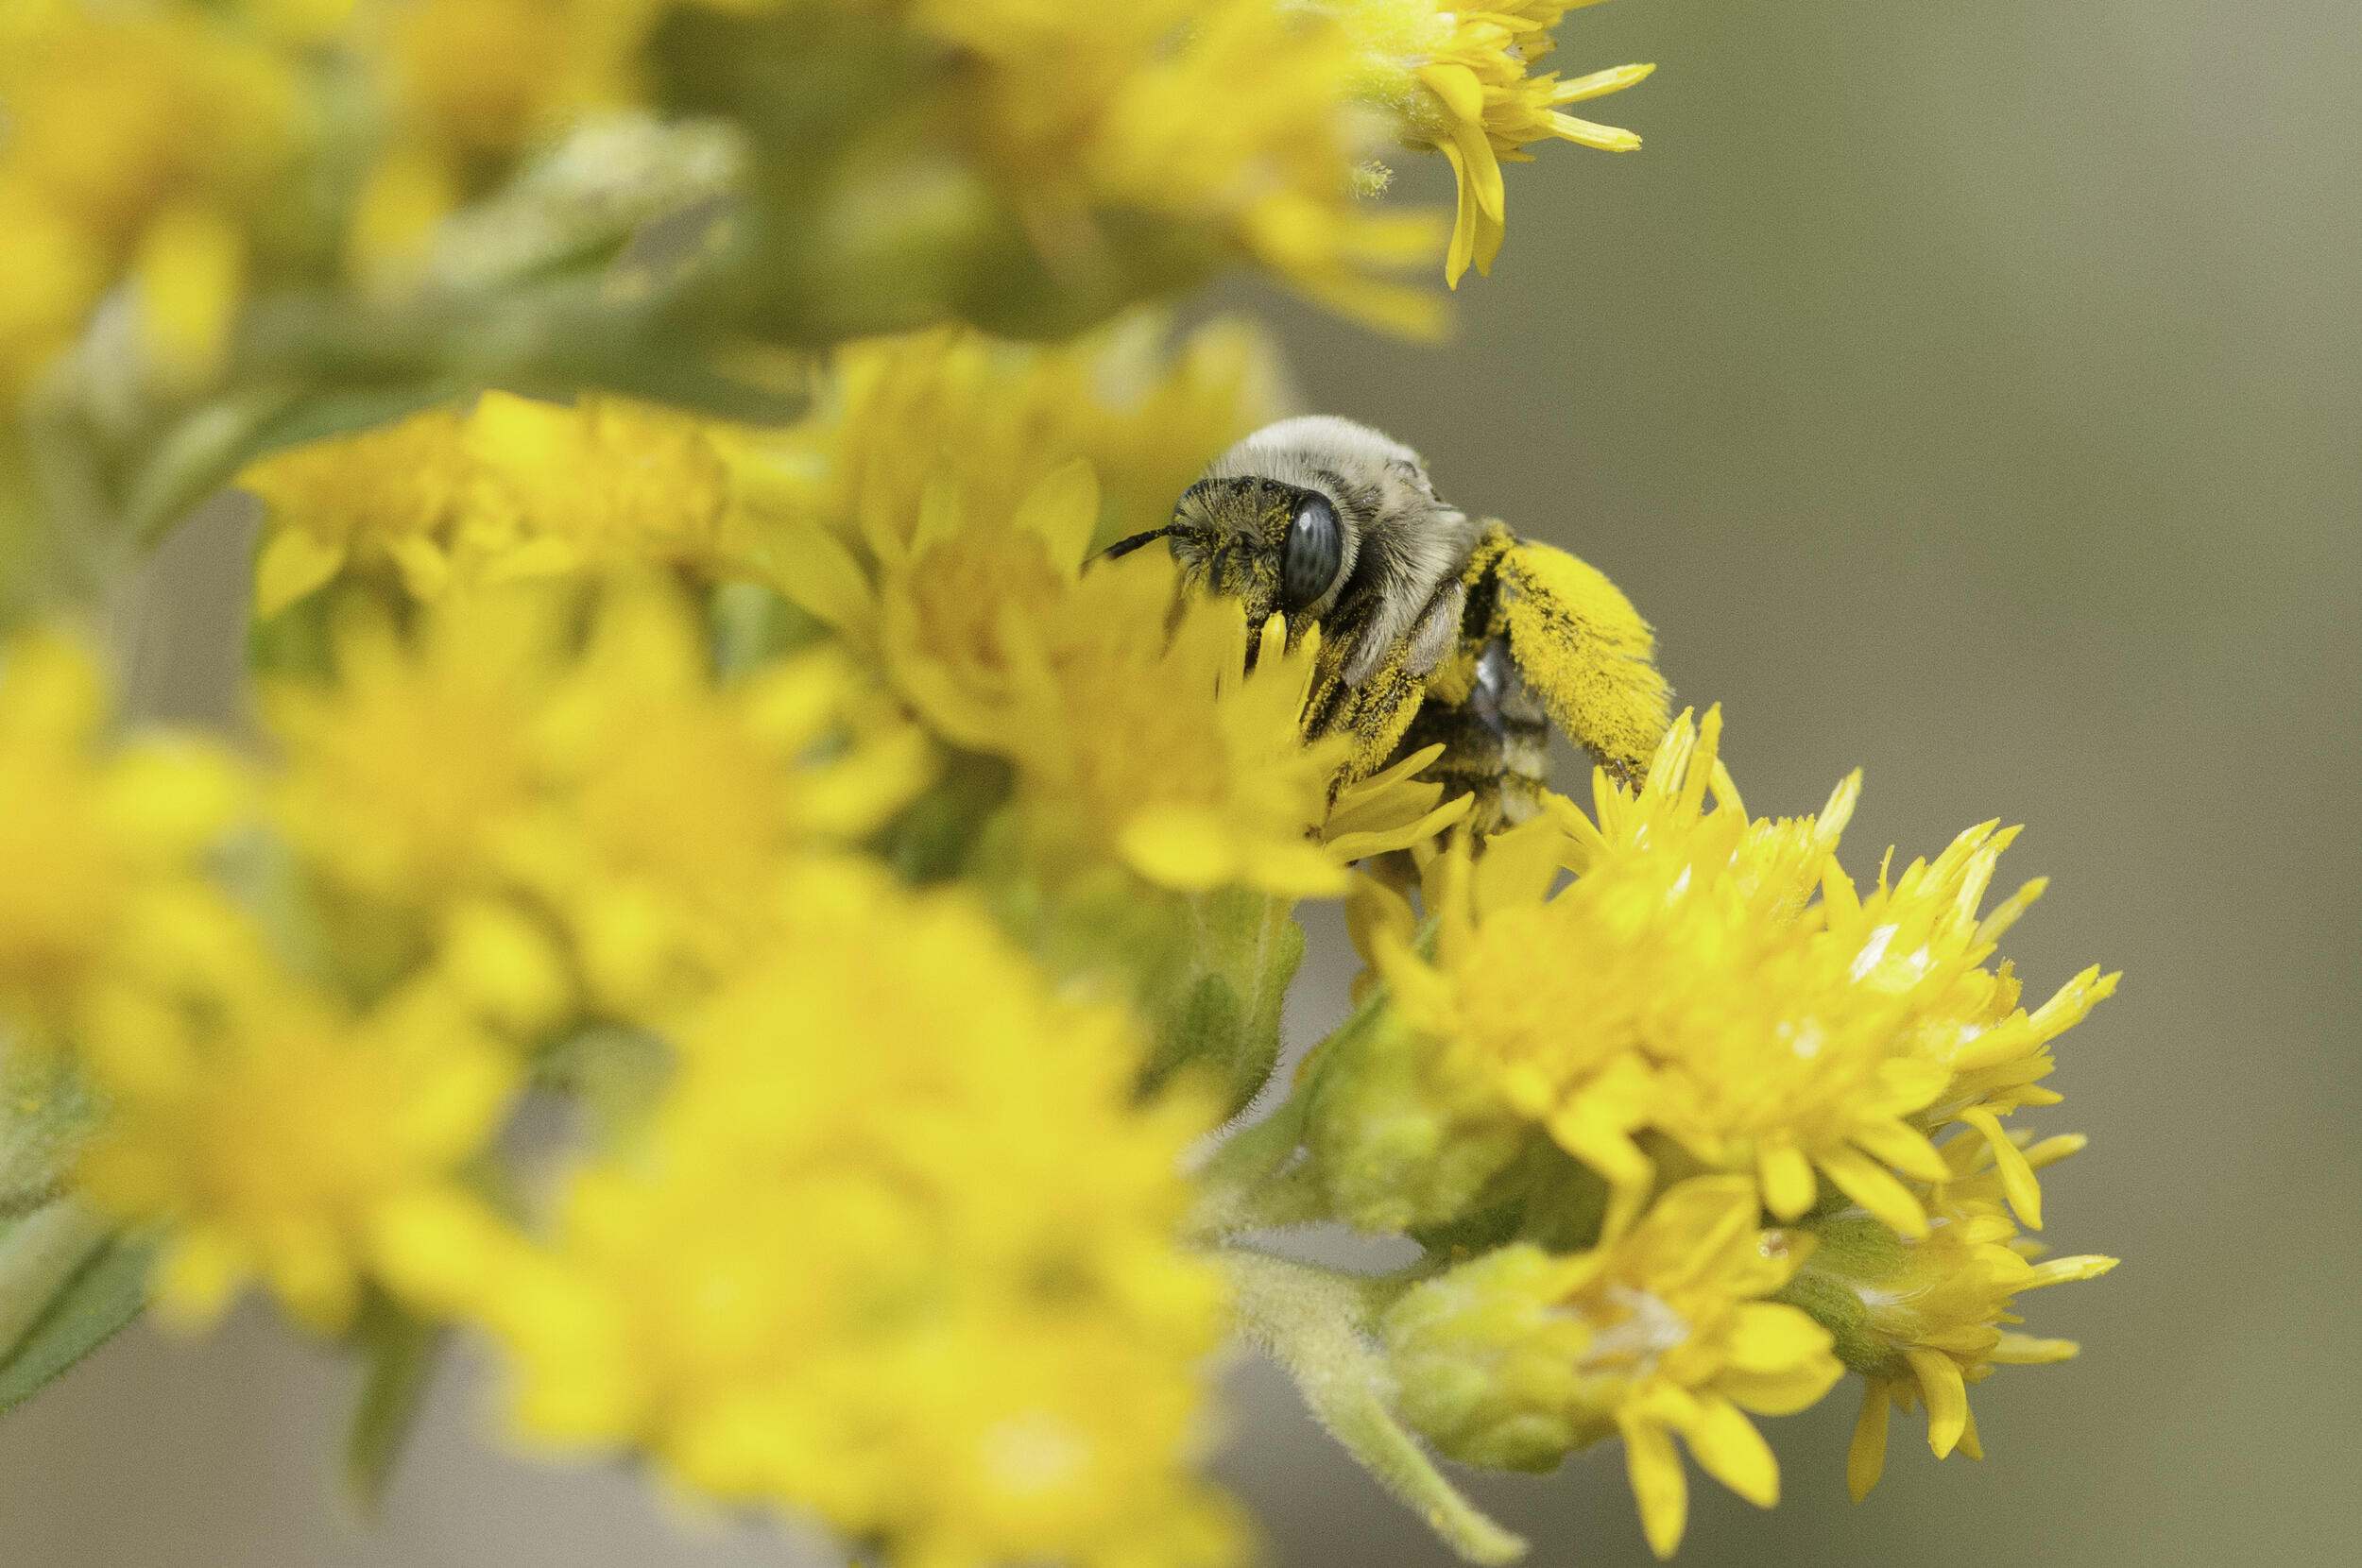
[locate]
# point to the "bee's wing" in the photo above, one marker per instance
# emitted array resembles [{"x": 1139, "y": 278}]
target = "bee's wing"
[{"x": 1585, "y": 651}]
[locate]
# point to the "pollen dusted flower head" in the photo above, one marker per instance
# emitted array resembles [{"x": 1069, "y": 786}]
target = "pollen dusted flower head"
[
  {"x": 1463, "y": 82},
  {"x": 1138, "y": 727},
  {"x": 1520, "y": 1356},
  {"x": 1923, "y": 1318},
  {"x": 100, "y": 847},
  {"x": 269, "y": 1128},
  {"x": 800, "y": 1287},
  {"x": 100, "y": 177},
  {"x": 1686, "y": 987}
]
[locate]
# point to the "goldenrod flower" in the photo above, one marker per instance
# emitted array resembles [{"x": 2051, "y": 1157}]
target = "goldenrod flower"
[
  {"x": 622, "y": 792},
  {"x": 1518, "y": 1356},
  {"x": 920, "y": 522},
  {"x": 1463, "y": 82},
  {"x": 268, "y": 1128},
  {"x": 1687, "y": 987},
  {"x": 1156, "y": 727},
  {"x": 511, "y": 488},
  {"x": 799, "y": 1290},
  {"x": 952, "y": 408},
  {"x": 1225, "y": 120},
  {"x": 1921, "y": 1319},
  {"x": 602, "y": 484},
  {"x": 677, "y": 798},
  {"x": 383, "y": 502},
  {"x": 101, "y": 175},
  {"x": 99, "y": 845}
]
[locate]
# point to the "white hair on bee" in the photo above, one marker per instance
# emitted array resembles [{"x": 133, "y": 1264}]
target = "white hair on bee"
[{"x": 1402, "y": 540}]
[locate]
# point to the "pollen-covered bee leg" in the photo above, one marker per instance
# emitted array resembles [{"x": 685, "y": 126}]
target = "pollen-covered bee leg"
[
  {"x": 1585, "y": 653},
  {"x": 1379, "y": 704}
]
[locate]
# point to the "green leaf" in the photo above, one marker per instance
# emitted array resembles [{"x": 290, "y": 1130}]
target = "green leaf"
[
  {"x": 44, "y": 1111},
  {"x": 400, "y": 1355},
  {"x": 67, "y": 1286},
  {"x": 1223, "y": 1016}
]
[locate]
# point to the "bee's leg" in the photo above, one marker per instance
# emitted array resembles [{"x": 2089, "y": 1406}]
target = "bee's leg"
[{"x": 1585, "y": 653}]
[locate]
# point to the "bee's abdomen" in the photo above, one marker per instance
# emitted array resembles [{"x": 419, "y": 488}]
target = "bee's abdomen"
[{"x": 1496, "y": 742}]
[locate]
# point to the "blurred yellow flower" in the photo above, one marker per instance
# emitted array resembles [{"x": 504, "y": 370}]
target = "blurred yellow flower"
[
  {"x": 267, "y": 1128},
  {"x": 1226, "y": 119},
  {"x": 797, "y": 1289},
  {"x": 602, "y": 484},
  {"x": 99, "y": 845},
  {"x": 1462, "y": 82},
  {"x": 1518, "y": 1356},
  {"x": 1153, "y": 728},
  {"x": 103, "y": 176},
  {"x": 990, "y": 419},
  {"x": 677, "y": 798},
  {"x": 1923, "y": 1318},
  {"x": 620, "y": 791},
  {"x": 510, "y": 489},
  {"x": 383, "y": 502}
]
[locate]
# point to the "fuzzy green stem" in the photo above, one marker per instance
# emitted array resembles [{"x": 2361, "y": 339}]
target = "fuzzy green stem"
[
  {"x": 1310, "y": 1320},
  {"x": 38, "y": 1255}
]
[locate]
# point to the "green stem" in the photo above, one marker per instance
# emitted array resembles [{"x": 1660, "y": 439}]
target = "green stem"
[
  {"x": 1310, "y": 1320},
  {"x": 38, "y": 1255}
]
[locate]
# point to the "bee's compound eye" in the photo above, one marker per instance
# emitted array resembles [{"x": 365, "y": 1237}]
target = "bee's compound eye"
[{"x": 1309, "y": 557}]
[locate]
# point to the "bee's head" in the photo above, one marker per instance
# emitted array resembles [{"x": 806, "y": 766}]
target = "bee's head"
[{"x": 1274, "y": 546}]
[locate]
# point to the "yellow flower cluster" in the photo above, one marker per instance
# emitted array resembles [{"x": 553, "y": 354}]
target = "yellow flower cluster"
[
  {"x": 103, "y": 849},
  {"x": 511, "y": 488},
  {"x": 102, "y": 177},
  {"x": 896, "y": 1251},
  {"x": 896, "y": 887},
  {"x": 1516, "y": 1358},
  {"x": 1221, "y": 118},
  {"x": 1462, "y": 82},
  {"x": 551, "y": 818},
  {"x": 895, "y": 416},
  {"x": 1921, "y": 1319},
  {"x": 1725, "y": 1010},
  {"x": 266, "y": 1127},
  {"x": 1710, "y": 992},
  {"x": 940, "y": 508}
]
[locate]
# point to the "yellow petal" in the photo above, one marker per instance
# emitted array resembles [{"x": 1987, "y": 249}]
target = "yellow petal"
[
  {"x": 1657, "y": 1483},
  {"x": 1905, "y": 1149},
  {"x": 1866, "y": 1457},
  {"x": 1940, "y": 1385},
  {"x": 1872, "y": 1186},
  {"x": 1729, "y": 1448},
  {"x": 1600, "y": 83},
  {"x": 2017, "y": 1176},
  {"x": 293, "y": 564},
  {"x": 1788, "y": 1182},
  {"x": 1063, "y": 508},
  {"x": 1769, "y": 1336}
]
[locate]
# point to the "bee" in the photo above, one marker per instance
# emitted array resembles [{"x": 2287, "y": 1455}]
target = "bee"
[{"x": 1437, "y": 628}]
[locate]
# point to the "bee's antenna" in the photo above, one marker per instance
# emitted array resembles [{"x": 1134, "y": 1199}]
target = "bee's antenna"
[{"x": 1125, "y": 547}]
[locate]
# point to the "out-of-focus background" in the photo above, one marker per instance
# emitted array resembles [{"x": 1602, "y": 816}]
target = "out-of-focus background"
[{"x": 1973, "y": 393}]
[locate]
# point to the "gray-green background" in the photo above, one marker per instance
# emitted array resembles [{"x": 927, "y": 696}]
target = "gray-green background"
[{"x": 1968, "y": 391}]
